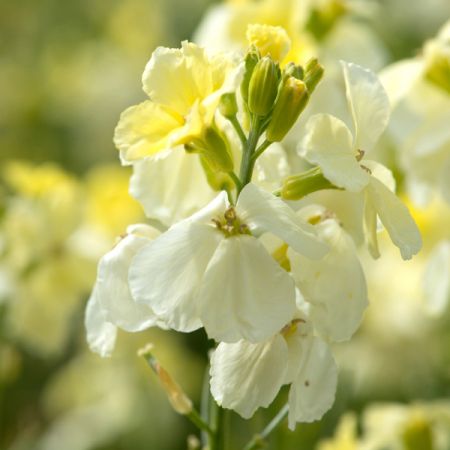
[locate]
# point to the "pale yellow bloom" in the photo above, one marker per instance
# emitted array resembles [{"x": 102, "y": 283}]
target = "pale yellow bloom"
[
  {"x": 269, "y": 40},
  {"x": 184, "y": 86},
  {"x": 345, "y": 437}
]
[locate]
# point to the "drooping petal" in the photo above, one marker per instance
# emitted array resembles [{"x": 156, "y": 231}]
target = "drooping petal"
[
  {"x": 396, "y": 218},
  {"x": 335, "y": 286},
  {"x": 368, "y": 103},
  {"x": 143, "y": 130},
  {"x": 166, "y": 273},
  {"x": 328, "y": 143},
  {"x": 245, "y": 294},
  {"x": 313, "y": 390},
  {"x": 101, "y": 334},
  {"x": 170, "y": 188},
  {"x": 246, "y": 376},
  {"x": 262, "y": 210},
  {"x": 112, "y": 289},
  {"x": 370, "y": 223}
]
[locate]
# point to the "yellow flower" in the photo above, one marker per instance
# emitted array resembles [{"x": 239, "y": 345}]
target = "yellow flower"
[
  {"x": 345, "y": 437},
  {"x": 184, "y": 86},
  {"x": 269, "y": 40}
]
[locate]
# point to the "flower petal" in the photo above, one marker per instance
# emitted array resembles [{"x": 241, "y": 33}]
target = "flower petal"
[
  {"x": 328, "y": 143},
  {"x": 335, "y": 286},
  {"x": 260, "y": 209},
  {"x": 101, "y": 334},
  {"x": 112, "y": 289},
  {"x": 166, "y": 273},
  {"x": 143, "y": 130},
  {"x": 247, "y": 376},
  {"x": 245, "y": 294},
  {"x": 178, "y": 77},
  {"x": 170, "y": 188},
  {"x": 368, "y": 103},
  {"x": 312, "y": 392},
  {"x": 396, "y": 218}
]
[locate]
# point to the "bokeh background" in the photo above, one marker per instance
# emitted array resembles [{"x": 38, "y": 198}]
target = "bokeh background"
[{"x": 67, "y": 70}]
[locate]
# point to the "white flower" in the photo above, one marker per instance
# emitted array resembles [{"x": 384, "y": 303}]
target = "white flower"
[
  {"x": 334, "y": 286},
  {"x": 211, "y": 270},
  {"x": 331, "y": 145},
  {"x": 111, "y": 305},
  {"x": 246, "y": 376}
]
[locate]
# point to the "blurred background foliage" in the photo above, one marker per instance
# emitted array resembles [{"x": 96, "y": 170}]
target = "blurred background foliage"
[{"x": 67, "y": 70}]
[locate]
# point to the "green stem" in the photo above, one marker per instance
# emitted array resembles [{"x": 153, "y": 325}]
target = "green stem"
[
  {"x": 240, "y": 132},
  {"x": 258, "y": 440},
  {"x": 195, "y": 418},
  {"x": 236, "y": 180},
  {"x": 245, "y": 174},
  {"x": 260, "y": 150},
  {"x": 216, "y": 440}
]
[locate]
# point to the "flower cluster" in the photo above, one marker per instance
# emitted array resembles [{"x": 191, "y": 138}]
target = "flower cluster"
[{"x": 273, "y": 281}]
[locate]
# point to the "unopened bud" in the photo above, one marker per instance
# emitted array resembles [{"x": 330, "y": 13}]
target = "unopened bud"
[
  {"x": 213, "y": 146},
  {"x": 294, "y": 70},
  {"x": 251, "y": 59},
  {"x": 292, "y": 100},
  {"x": 263, "y": 87},
  {"x": 313, "y": 74},
  {"x": 228, "y": 105},
  {"x": 297, "y": 186},
  {"x": 180, "y": 402}
]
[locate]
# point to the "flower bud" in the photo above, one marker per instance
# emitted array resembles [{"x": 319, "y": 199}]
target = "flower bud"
[
  {"x": 294, "y": 70},
  {"x": 180, "y": 402},
  {"x": 263, "y": 87},
  {"x": 437, "y": 64},
  {"x": 251, "y": 59},
  {"x": 297, "y": 186},
  {"x": 213, "y": 146},
  {"x": 228, "y": 105},
  {"x": 291, "y": 101},
  {"x": 313, "y": 74}
]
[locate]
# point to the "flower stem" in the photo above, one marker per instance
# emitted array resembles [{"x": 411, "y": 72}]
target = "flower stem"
[
  {"x": 240, "y": 132},
  {"x": 245, "y": 174},
  {"x": 258, "y": 440},
  {"x": 260, "y": 150}
]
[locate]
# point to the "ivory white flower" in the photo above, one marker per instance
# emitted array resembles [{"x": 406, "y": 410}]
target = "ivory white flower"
[
  {"x": 210, "y": 270},
  {"x": 246, "y": 376},
  {"x": 335, "y": 286},
  {"x": 111, "y": 305},
  {"x": 332, "y": 146},
  {"x": 184, "y": 86}
]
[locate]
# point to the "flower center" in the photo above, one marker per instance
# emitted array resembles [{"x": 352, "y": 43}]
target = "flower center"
[{"x": 230, "y": 224}]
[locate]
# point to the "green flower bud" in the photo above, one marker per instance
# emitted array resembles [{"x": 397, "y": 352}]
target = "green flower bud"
[
  {"x": 292, "y": 100},
  {"x": 297, "y": 186},
  {"x": 293, "y": 70},
  {"x": 219, "y": 181},
  {"x": 228, "y": 105},
  {"x": 263, "y": 86},
  {"x": 313, "y": 74},
  {"x": 251, "y": 60},
  {"x": 214, "y": 148}
]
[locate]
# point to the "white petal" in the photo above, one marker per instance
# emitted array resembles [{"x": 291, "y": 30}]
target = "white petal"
[
  {"x": 371, "y": 226},
  {"x": 247, "y": 376},
  {"x": 436, "y": 281},
  {"x": 112, "y": 288},
  {"x": 335, "y": 286},
  {"x": 368, "y": 103},
  {"x": 245, "y": 294},
  {"x": 312, "y": 392},
  {"x": 396, "y": 218},
  {"x": 328, "y": 143},
  {"x": 170, "y": 188},
  {"x": 166, "y": 273},
  {"x": 101, "y": 334},
  {"x": 260, "y": 209}
]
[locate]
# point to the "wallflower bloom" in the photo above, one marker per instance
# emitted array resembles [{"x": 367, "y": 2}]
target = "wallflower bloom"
[
  {"x": 246, "y": 376},
  {"x": 211, "y": 270},
  {"x": 334, "y": 286},
  {"x": 331, "y": 145},
  {"x": 184, "y": 86},
  {"x": 111, "y": 305}
]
